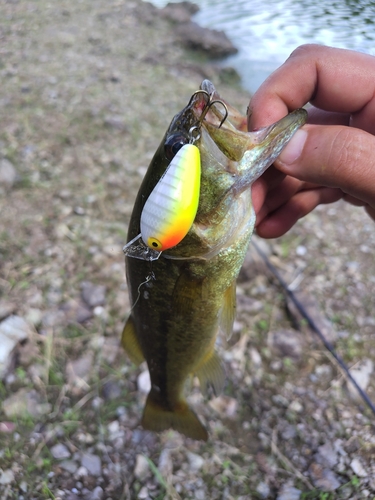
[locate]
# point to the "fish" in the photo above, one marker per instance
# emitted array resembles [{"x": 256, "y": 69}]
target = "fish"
[{"x": 182, "y": 295}]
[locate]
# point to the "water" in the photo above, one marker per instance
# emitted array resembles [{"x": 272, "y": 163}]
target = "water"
[{"x": 266, "y": 32}]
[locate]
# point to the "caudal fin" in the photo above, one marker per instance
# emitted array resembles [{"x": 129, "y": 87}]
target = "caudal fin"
[{"x": 181, "y": 418}]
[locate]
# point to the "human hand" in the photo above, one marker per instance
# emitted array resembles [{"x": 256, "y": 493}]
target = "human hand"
[{"x": 331, "y": 157}]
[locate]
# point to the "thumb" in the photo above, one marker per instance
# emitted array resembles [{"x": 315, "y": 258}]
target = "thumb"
[{"x": 332, "y": 156}]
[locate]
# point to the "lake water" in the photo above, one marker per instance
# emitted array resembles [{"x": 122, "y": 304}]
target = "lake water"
[{"x": 266, "y": 32}]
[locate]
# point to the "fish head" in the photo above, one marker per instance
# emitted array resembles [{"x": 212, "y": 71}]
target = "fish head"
[{"x": 231, "y": 160}]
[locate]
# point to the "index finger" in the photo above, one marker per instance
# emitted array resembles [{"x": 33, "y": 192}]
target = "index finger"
[{"x": 331, "y": 79}]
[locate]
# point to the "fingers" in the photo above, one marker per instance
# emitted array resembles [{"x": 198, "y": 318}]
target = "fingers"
[
  {"x": 267, "y": 198},
  {"x": 332, "y": 156},
  {"x": 331, "y": 79},
  {"x": 281, "y": 220}
]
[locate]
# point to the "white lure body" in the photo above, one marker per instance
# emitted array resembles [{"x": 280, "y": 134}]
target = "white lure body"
[{"x": 170, "y": 210}]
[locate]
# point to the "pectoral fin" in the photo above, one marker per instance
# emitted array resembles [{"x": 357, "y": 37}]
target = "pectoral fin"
[
  {"x": 211, "y": 373},
  {"x": 130, "y": 342},
  {"x": 228, "y": 311},
  {"x": 187, "y": 293}
]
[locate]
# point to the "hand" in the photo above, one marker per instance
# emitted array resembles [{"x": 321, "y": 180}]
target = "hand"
[{"x": 331, "y": 157}]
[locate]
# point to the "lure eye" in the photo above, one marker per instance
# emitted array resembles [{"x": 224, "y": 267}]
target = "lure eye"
[
  {"x": 154, "y": 243},
  {"x": 173, "y": 144}
]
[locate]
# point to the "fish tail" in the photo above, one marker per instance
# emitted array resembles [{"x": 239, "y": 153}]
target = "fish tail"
[{"x": 181, "y": 418}]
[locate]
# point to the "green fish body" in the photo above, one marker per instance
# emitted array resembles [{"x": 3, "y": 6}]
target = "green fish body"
[{"x": 181, "y": 300}]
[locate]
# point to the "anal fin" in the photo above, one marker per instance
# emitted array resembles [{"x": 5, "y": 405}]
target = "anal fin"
[
  {"x": 210, "y": 373},
  {"x": 130, "y": 342}
]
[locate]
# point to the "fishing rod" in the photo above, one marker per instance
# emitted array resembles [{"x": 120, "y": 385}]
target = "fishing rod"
[{"x": 301, "y": 309}]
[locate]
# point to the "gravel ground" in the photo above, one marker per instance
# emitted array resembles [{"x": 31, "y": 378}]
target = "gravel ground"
[{"x": 87, "y": 89}]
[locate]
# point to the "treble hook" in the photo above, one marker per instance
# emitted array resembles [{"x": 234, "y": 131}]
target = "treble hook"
[{"x": 210, "y": 102}]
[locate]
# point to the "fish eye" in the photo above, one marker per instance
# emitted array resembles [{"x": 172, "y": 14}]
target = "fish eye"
[{"x": 173, "y": 144}]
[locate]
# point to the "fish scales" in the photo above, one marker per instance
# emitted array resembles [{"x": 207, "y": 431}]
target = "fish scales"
[{"x": 181, "y": 300}]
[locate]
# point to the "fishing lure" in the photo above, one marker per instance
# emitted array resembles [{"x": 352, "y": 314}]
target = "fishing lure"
[{"x": 170, "y": 209}]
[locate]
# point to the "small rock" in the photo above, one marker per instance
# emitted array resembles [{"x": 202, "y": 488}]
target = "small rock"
[
  {"x": 79, "y": 370},
  {"x": 362, "y": 376},
  {"x": 358, "y": 468},
  {"x": 144, "y": 382},
  {"x": 81, "y": 472},
  {"x": 323, "y": 478},
  {"x": 76, "y": 311},
  {"x": 225, "y": 406},
  {"x": 215, "y": 43},
  {"x": 93, "y": 295},
  {"x": 112, "y": 390},
  {"x": 6, "y": 308},
  {"x": 200, "y": 494},
  {"x": 326, "y": 455},
  {"x": 8, "y": 174},
  {"x": 143, "y": 493},
  {"x": 97, "y": 494},
  {"x": 196, "y": 462},
  {"x": 141, "y": 469},
  {"x": 296, "y": 406},
  {"x": 285, "y": 343},
  {"x": 13, "y": 330},
  {"x": 69, "y": 465},
  {"x": 6, "y": 477},
  {"x": 116, "y": 122},
  {"x": 263, "y": 489},
  {"x": 288, "y": 492},
  {"x": 92, "y": 463},
  {"x": 23, "y": 402},
  {"x": 60, "y": 451},
  {"x": 165, "y": 464}
]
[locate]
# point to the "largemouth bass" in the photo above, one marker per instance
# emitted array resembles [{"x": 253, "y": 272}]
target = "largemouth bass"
[{"x": 181, "y": 297}]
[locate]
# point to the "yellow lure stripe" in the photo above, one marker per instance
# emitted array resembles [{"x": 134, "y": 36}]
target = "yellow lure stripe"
[{"x": 170, "y": 210}]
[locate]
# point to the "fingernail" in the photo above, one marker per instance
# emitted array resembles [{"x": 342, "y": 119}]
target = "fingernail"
[{"x": 293, "y": 149}]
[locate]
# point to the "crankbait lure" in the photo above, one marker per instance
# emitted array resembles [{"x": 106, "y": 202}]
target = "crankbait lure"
[{"x": 170, "y": 209}]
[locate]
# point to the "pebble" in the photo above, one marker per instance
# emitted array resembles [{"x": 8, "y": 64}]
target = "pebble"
[
  {"x": 144, "y": 382},
  {"x": 263, "y": 489},
  {"x": 288, "y": 492},
  {"x": 196, "y": 462},
  {"x": 13, "y": 329},
  {"x": 199, "y": 494},
  {"x": 323, "y": 478},
  {"x": 8, "y": 174},
  {"x": 97, "y": 494},
  {"x": 285, "y": 343},
  {"x": 143, "y": 493},
  {"x": 25, "y": 401},
  {"x": 358, "y": 468},
  {"x": 6, "y": 308},
  {"x": 362, "y": 375},
  {"x": 93, "y": 295},
  {"x": 7, "y": 477},
  {"x": 92, "y": 463},
  {"x": 141, "y": 469},
  {"x": 60, "y": 451},
  {"x": 225, "y": 406},
  {"x": 326, "y": 455},
  {"x": 69, "y": 465}
]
